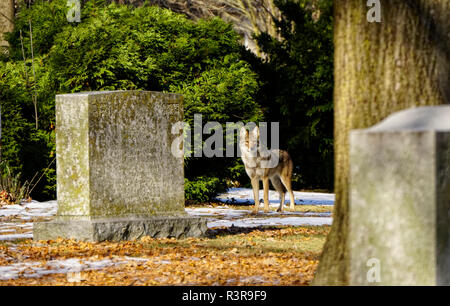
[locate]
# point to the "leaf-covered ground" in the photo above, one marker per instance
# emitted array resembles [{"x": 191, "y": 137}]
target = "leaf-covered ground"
[
  {"x": 231, "y": 256},
  {"x": 268, "y": 249}
]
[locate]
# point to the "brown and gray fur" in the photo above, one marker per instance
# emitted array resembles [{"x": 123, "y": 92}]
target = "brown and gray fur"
[{"x": 264, "y": 165}]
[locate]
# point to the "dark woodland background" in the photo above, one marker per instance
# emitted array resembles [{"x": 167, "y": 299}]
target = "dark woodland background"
[{"x": 237, "y": 60}]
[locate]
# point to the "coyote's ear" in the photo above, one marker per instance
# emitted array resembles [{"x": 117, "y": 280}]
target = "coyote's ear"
[
  {"x": 243, "y": 133},
  {"x": 255, "y": 132}
]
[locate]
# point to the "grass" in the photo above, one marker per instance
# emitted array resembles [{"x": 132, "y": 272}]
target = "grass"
[
  {"x": 265, "y": 255},
  {"x": 233, "y": 256},
  {"x": 301, "y": 240},
  {"x": 298, "y": 208}
]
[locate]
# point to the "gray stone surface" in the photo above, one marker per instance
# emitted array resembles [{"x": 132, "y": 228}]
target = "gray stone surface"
[
  {"x": 114, "y": 162},
  {"x": 399, "y": 209},
  {"x": 121, "y": 229}
]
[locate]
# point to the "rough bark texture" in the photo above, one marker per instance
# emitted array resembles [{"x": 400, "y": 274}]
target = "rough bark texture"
[
  {"x": 380, "y": 68},
  {"x": 6, "y": 19}
]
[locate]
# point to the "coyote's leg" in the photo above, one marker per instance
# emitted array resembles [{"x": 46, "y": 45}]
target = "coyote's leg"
[
  {"x": 276, "y": 182},
  {"x": 266, "y": 193},
  {"x": 286, "y": 179},
  {"x": 255, "y": 186}
]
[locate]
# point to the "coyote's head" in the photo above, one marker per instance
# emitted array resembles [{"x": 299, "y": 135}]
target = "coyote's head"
[{"x": 249, "y": 141}]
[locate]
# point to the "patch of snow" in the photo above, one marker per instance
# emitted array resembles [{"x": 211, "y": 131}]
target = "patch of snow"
[
  {"x": 255, "y": 222},
  {"x": 245, "y": 195},
  {"x": 219, "y": 217},
  {"x": 239, "y": 213},
  {"x": 16, "y": 236},
  {"x": 71, "y": 265},
  {"x": 32, "y": 209},
  {"x": 22, "y": 216},
  {"x": 16, "y": 221}
]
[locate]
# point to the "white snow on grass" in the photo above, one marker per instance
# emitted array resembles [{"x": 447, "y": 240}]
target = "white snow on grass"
[
  {"x": 239, "y": 213},
  {"x": 65, "y": 266},
  {"x": 27, "y": 211},
  {"x": 245, "y": 195},
  {"x": 226, "y": 217},
  {"x": 16, "y": 221},
  {"x": 15, "y": 236},
  {"x": 255, "y": 222}
]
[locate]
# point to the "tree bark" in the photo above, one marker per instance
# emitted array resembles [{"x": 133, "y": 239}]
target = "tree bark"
[
  {"x": 380, "y": 68},
  {"x": 6, "y": 20}
]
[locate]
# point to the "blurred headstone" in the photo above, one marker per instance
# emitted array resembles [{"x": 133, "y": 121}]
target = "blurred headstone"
[{"x": 400, "y": 200}]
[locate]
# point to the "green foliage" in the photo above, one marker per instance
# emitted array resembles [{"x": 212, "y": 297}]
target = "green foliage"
[
  {"x": 12, "y": 190},
  {"x": 116, "y": 47},
  {"x": 203, "y": 189},
  {"x": 228, "y": 90},
  {"x": 27, "y": 150},
  {"x": 46, "y": 19},
  {"x": 297, "y": 88},
  {"x": 144, "y": 48}
]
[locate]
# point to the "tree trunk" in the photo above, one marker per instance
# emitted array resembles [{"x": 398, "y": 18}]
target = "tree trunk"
[
  {"x": 380, "y": 68},
  {"x": 6, "y": 19}
]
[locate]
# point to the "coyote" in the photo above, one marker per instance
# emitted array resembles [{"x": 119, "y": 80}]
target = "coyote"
[{"x": 262, "y": 164}]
